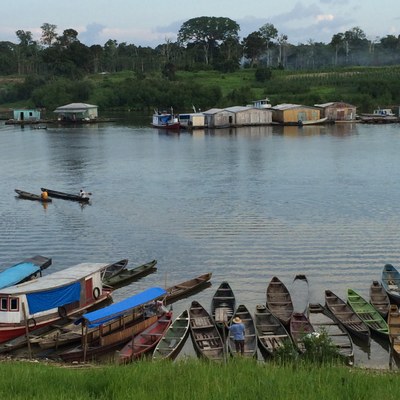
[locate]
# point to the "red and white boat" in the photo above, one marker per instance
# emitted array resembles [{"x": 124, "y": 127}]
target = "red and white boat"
[
  {"x": 37, "y": 303},
  {"x": 165, "y": 120}
]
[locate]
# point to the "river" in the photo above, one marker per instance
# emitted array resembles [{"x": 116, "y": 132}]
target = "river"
[{"x": 246, "y": 204}]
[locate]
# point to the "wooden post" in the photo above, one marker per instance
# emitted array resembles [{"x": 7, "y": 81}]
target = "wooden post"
[
  {"x": 85, "y": 344},
  {"x": 27, "y": 331}
]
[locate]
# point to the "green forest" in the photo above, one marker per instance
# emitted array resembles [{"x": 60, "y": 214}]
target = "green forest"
[{"x": 208, "y": 66}]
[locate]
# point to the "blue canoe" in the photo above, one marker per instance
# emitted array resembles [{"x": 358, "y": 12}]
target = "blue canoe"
[{"x": 23, "y": 271}]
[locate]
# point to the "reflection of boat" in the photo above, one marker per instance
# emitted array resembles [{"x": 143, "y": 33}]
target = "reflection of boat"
[
  {"x": 24, "y": 271},
  {"x": 350, "y": 320},
  {"x": 272, "y": 335},
  {"x": 279, "y": 300},
  {"x": 44, "y": 301},
  {"x": 31, "y": 196},
  {"x": 391, "y": 282},
  {"x": 165, "y": 120},
  {"x": 188, "y": 287},
  {"x": 250, "y": 338},
  {"x": 325, "y": 323},
  {"x": 379, "y": 298},
  {"x": 367, "y": 312},
  {"x": 65, "y": 196},
  {"x": 173, "y": 339}
]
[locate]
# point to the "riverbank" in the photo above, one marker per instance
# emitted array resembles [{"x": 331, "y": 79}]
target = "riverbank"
[{"x": 193, "y": 379}]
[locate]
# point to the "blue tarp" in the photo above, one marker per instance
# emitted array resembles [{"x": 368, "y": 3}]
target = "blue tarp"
[
  {"x": 119, "y": 309},
  {"x": 48, "y": 299},
  {"x": 15, "y": 274}
]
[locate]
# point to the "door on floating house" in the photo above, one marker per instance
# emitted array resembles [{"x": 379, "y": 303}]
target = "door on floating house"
[{"x": 21, "y": 116}]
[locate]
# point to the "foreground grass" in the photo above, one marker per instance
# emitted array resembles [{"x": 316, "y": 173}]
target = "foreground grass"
[{"x": 193, "y": 379}]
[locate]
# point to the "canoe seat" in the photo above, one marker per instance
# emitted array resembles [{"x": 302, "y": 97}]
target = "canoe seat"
[
  {"x": 272, "y": 336},
  {"x": 151, "y": 334}
]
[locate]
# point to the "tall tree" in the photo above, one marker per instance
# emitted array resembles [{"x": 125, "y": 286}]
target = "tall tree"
[
  {"x": 254, "y": 46},
  {"x": 49, "y": 34},
  {"x": 210, "y": 32},
  {"x": 268, "y": 33}
]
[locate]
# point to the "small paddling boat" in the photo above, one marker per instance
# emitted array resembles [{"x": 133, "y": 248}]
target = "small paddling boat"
[
  {"x": 223, "y": 304},
  {"x": 65, "y": 196},
  {"x": 394, "y": 329},
  {"x": 279, "y": 300},
  {"x": 30, "y": 196},
  {"x": 300, "y": 326},
  {"x": 300, "y": 294},
  {"x": 391, "y": 282},
  {"x": 379, "y": 298}
]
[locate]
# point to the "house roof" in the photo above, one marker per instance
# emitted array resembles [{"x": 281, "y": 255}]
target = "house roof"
[
  {"x": 334, "y": 103},
  {"x": 287, "y": 106},
  {"x": 75, "y": 107},
  {"x": 213, "y": 111}
]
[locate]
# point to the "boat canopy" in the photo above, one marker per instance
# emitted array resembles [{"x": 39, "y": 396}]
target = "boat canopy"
[
  {"x": 15, "y": 274},
  {"x": 48, "y": 299},
  {"x": 99, "y": 317}
]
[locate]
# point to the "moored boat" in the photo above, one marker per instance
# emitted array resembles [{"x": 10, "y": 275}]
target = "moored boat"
[
  {"x": 250, "y": 338},
  {"x": 206, "y": 338},
  {"x": 394, "y": 329},
  {"x": 165, "y": 120},
  {"x": 324, "y": 322},
  {"x": 346, "y": 315},
  {"x": 279, "y": 300},
  {"x": 145, "y": 341},
  {"x": 26, "y": 270},
  {"x": 300, "y": 326},
  {"x": 31, "y": 196},
  {"x": 127, "y": 276},
  {"x": 44, "y": 301},
  {"x": 391, "y": 282},
  {"x": 66, "y": 196},
  {"x": 367, "y": 312},
  {"x": 223, "y": 304},
  {"x": 299, "y": 294},
  {"x": 272, "y": 334},
  {"x": 379, "y": 298},
  {"x": 109, "y": 327},
  {"x": 187, "y": 288},
  {"x": 114, "y": 269},
  {"x": 173, "y": 339}
]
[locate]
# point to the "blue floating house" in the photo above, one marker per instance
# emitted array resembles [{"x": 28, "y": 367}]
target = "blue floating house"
[{"x": 27, "y": 115}]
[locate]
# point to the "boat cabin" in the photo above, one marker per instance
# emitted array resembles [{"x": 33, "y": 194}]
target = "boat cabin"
[{"x": 263, "y": 103}]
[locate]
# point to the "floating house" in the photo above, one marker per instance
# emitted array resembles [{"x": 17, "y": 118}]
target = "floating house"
[
  {"x": 192, "y": 120},
  {"x": 338, "y": 111},
  {"x": 295, "y": 114},
  {"x": 77, "y": 112},
  {"x": 218, "y": 118},
  {"x": 26, "y": 115},
  {"x": 237, "y": 116}
]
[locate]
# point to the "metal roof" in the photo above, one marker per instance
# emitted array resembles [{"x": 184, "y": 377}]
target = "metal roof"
[
  {"x": 74, "y": 107},
  {"x": 287, "y": 106},
  {"x": 56, "y": 279}
]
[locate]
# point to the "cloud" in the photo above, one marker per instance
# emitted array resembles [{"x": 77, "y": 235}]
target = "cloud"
[{"x": 91, "y": 34}]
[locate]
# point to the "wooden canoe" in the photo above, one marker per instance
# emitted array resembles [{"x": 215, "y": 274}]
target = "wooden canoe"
[
  {"x": 391, "y": 282},
  {"x": 187, "y": 288},
  {"x": 206, "y": 338},
  {"x": 300, "y": 326},
  {"x": 279, "y": 300},
  {"x": 300, "y": 294},
  {"x": 174, "y": 338},
  {"x": 272, "y": 334},
  {"x": 30, "y": 196},
  {"x": 145, "y": 341},
  {"x": 379, "y": 298},
  {"x": 127, "y": 276},
  {"x": 66, "y": 196},
  {"x": 367, "y": 312},
  {"x": 114, "y": 269},
  {"x": 250, "y": 338},
  {"x": 394, "y": 329},
  {"x": 223, "y": 304},
  {"x": 324, "y": 321},
  {"x": 346, "y": 315}
]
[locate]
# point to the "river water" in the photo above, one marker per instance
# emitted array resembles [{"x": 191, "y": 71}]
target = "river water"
[{"x": 246, "y": 204}]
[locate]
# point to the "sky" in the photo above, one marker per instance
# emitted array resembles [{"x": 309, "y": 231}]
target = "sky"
[{"x": 152, "y": 22}]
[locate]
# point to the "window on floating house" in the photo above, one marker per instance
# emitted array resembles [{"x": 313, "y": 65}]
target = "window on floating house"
[
  {"x": 14, "y": 304},
  {"x": 3, "y": 304}
]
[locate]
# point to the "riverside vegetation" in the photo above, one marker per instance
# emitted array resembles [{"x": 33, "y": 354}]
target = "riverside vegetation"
[{"x": 367, "y": 88}]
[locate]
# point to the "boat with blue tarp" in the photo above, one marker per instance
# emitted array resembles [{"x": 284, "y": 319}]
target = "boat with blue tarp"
[
  {"x": 112, "y": 326},
  {"x": 24, "y": 271},
  {"x": 37, "y": 303}
]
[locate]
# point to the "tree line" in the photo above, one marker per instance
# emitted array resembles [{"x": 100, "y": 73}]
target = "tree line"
[{"x": 203, "y": 43}]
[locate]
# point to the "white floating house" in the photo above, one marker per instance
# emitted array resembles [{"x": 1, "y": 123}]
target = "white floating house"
[{"x": 77, "y": 112}]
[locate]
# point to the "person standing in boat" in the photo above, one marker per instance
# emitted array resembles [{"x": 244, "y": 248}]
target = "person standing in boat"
[{"x": 237, "y": 329}]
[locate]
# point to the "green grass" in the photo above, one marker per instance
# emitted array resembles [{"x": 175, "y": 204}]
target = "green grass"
[{"x": 193, "y": 379}]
